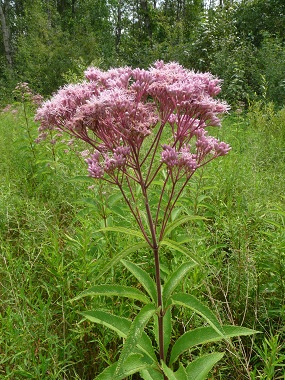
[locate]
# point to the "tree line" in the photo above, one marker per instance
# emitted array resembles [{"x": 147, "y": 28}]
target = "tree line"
[{"x": 50, "y": 42}]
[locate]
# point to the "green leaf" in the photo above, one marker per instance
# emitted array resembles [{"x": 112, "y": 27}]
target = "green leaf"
[
  {"x": 151, "y": 374},
  {"x": 23, "y": 373},
  {"x": 199, "y": 368},
  {"x": 133, "y": 364},
  {"x": 168, "y": 372},
  {"x": 109, "y": 264},
  {"x": 178, "y": 375},
  {"x": 174, "y": 280},
  {"x": 135, "y": 333},
  {"x": 123, "y": 230},
  {"x": 118, "y": 211},
  {"x": 273, "y": 223},
  {"x": 93, "y": 204},
  {"x": 180, "y": 248},
  {"x": 184, "y": 219},
  {"x": 118, "y": 324},
  {"x": 181, "y": 373},
  {"x": 196, "y": 305},
  {"x": 167, "y": 329},
  {"x": 81, "y": 178},
  {"x": 108, "y": 373},
  {"x": 143, "y": 277},
  {"x": 203, "y": 335},
  {"x": 114, "y": 290},
  {"x": 122, "y": 327},
  {"x": 113, "y": 199}
]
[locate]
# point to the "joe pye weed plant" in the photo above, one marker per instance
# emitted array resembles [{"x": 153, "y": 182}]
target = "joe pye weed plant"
[{"x": 146, "y": 133}]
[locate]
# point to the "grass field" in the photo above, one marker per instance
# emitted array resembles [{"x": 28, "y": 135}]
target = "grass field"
[{"x": 51, "y": 250}]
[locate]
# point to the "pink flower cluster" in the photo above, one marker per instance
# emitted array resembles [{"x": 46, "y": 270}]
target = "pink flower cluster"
[
  {"x": 24, "y": 94},
  {"x": 115, "y": 110},
  {"x": 98, "y": 166},
  {"x": 181, "y": 159}
]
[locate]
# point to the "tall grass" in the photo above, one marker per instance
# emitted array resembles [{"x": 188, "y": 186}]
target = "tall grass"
[{"x": 51, "y": 249}]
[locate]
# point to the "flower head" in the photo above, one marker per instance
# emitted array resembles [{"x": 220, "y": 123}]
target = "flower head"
[
  {"x": 114, "y": 111},
  {"x": 169, "y": 156}
]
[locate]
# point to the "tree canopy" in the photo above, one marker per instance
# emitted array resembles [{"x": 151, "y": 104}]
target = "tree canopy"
[{"x": 49, "y": 43}]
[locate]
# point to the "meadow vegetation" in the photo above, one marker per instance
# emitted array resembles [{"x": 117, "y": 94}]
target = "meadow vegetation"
[
  {"x": 51, "y": 249},
  {"x": 57, "y": 225}
]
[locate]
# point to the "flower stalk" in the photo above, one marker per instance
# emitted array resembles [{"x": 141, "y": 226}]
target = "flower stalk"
[
  {"x": 139, "y": 124},
  {"x": 160, "y": 307}
]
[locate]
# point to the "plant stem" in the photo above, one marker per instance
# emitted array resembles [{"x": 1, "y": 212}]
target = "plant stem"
[
  {"x": 160, "y": 316},
  {"x": 159, "y": 303},
  {"x": 155, "y": 249}
]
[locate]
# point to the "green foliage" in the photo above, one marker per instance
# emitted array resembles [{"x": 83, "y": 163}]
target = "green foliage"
[
  {"x": 174, "y": 280},
  {"x": 272, "y": 359},
  {"x": 50, "y": 249},
  {"x": 191, "y": 302},
  {"x": 122, "y": 327},
  {"x": 255, "y": 17},
  {"x": 271, "y": 58},
  {"x": 241, "y": 42},
  {"x": 133, "y": 331},
  {"x": 115, "y": 290},
  {"x": 203, "y": 335},
  {"x": 205, "y": 362},
  {"x": 143, "y": 278}
]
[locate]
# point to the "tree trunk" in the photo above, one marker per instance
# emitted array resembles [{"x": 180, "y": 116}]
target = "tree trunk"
[{"x": 6, "y": 37}]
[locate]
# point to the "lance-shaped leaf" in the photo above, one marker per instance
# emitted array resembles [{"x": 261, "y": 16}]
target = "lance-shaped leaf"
[
  {"x": 126, "y": 252},
  {"x": 143, "y": 277},
  {"x": 181, "y": 373},
  {"x": 199, "y": 368},
  {"x": 177, "y": 222},
  {"x": 123, "y": 230},
  {"x": 168, "y": 372},
  {"x": 135, "y": 333},
  {"x": 175, "y": 279},
  {"x": 151, "y": 374},
  {"x": 114, "y": 290},
  {"x": 133, "y": 364},
  {"x": 203, "y": 335},
  {"x": 196, "y": 305},
  {"x": 180, "y": 248},
  {"x": 122, "y": 327}
]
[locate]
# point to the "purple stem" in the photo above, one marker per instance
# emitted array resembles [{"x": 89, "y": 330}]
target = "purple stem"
[{"x": 155, "y": 249}]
